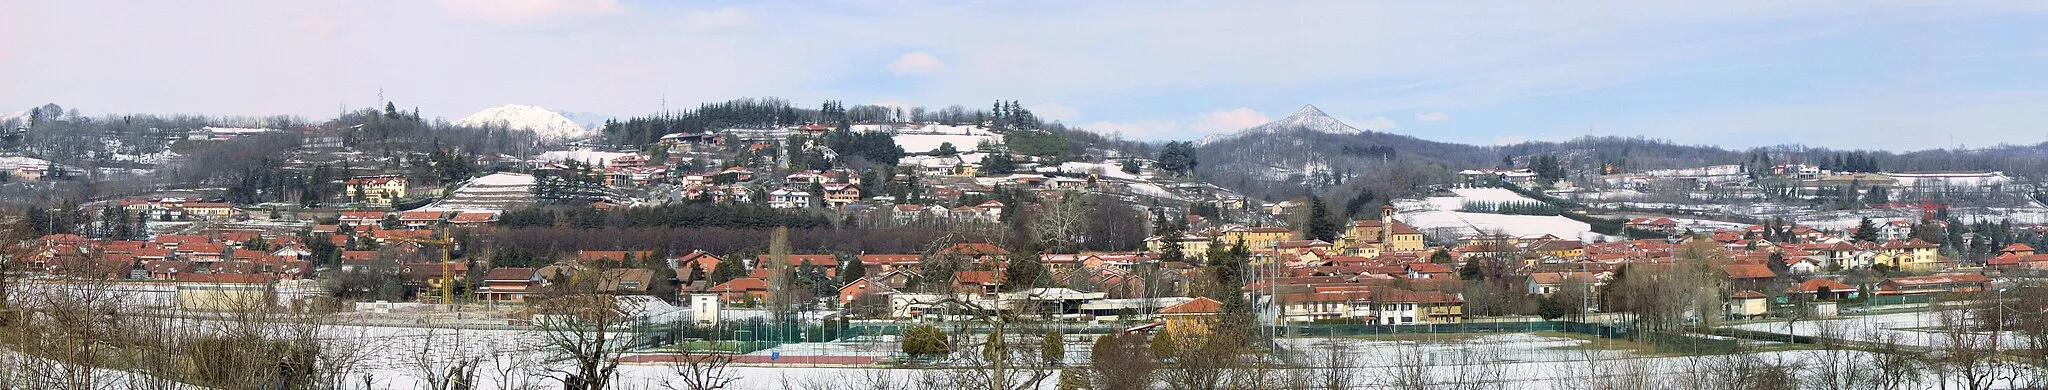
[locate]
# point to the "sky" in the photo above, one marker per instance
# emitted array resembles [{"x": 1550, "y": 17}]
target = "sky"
[{"x": 1895, "y": 75}]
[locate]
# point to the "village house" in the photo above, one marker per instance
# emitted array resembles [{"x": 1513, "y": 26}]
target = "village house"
[
  {"x": 1910, "y": 256},
  {"x": 215, "y": 211},
  {"x": 510, "y": 284},
  {"x": 361, "y": 218},
  {"x": 787, "y": 199},
  {"x": 1547, "y": 283},
  {"x": 416, "y": 220},
  {"x": 1748, "y": 276},
  {"x": 1818, "y": 289},
  {"x": 1746, "y": 304},
  {"x": 1197, "y": 316},
  {"x": 376, "y": 190},
  {"x": 1256, "y": 238},
  {"x": 741, "y": 290},
  {"x": 838, "y": 195},
  {"x": 864, "y": 288},
  {"x": 1370, "y": 238}
]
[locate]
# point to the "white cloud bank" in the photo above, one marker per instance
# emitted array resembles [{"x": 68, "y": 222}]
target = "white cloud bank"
[{"x": 917, "y": 63}]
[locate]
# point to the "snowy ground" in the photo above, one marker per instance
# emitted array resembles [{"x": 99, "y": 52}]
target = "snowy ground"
[
  {"x": 1920, "y": 329},
  {"x": 1108, "y": 171},
  {"x": 921, "y": 143},
  {"x": 1453, "y": 224},
  {"x": 399, "y": 358},
  {"x": 1439, "y": 218},
  {"x": 498, "y": 191}
]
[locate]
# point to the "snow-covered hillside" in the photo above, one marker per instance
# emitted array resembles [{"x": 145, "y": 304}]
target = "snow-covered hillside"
[
  {"x": 548, "y": 125},
  {"x": 590, "y": 157},
  {"x": 1307, "y": 118}
]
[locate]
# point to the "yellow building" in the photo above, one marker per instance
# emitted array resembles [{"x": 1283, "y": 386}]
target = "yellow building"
[
  {"x": 1193, "y": 317},
  {"x": 1909, "y": 256},
  {"x": 1258, "y": 238},
  {"x": 377, "y": 190},
  {"x": 1370, "y": 238},
  {"x": 1563, "y": 249},
  {"x": 1404, "y": 238},
  {"x": 209, "y": 210},
  {"x": 1191, "y": 247}
]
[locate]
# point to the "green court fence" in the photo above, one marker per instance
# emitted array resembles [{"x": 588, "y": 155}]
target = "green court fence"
[{"x": 1888, "y": 300}]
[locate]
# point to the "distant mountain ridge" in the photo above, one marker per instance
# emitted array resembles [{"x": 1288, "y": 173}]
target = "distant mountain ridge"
[{"x": 1311, "y": 152}]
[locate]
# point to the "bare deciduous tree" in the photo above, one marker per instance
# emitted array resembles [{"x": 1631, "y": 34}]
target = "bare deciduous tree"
[
  {"x": 701, "y": 371},
  {"x": 452, "y": 366},
  {"x": 584, "y": 327}
]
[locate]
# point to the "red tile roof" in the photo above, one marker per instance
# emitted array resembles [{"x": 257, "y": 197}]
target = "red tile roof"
[
  {"x": 1748, "y": 271},
  {"x": 474, "y": 217},
  {"x": 420, "y": 216},
  {"x": 975, "y": 248},
  {"x": 795, "y": 260},
  {"x": 510, "y": 274},
  {"x": 740, "y": 285},
  {"x": 977, "y": 277},
  {"x": 890, "y": 259},
  {"x": 1200, "y": 305}
]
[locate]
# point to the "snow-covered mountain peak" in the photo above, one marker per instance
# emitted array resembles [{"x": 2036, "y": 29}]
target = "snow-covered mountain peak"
[
  {"x": 547, "y": 124},
  {"x": 1311, "y": 118},
  {"x": 1308, "y": 110},
  {"x": 1307, "y": 118}
]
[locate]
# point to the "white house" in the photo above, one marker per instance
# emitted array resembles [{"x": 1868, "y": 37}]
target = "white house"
[{"x": 786, "y": 199}]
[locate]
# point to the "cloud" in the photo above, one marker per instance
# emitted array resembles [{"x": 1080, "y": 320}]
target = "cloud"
[
  {"x": 718, "y": 19},
  {"x": 1433, "y": 116},
  {"x": 1134, "y": 130},
  {"x": 1228, "y": 121},
  {"x": 917, "y": 63},
  {"x": 1378, "y": 123},
  {"x": 1054, "y": 111},
  {"x": 522, "y": 11}
]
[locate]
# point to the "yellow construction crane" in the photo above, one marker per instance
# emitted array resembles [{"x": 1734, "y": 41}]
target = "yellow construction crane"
[{"x": 447, "y": 262}]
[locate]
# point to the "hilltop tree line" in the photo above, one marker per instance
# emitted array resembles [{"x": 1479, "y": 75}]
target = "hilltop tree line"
[{"x": 392, "y": 130}]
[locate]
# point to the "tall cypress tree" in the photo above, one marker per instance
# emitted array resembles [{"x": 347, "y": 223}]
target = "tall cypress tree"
[
  {"x": 1866, "y": 231},
  {"x": 1321, "y": 225}
]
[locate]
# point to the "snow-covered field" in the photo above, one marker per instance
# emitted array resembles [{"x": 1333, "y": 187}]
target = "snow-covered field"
[
  {"x": 1107, "y": 171},
  {"x": 400, "y": 358},
  {"x": 1453, "y": 224},
  {"x": 921, "y": 143},
  {"x": 497, "y": 191},
  {"x": 1920, "y": 329},
  {"x": 1439, "y": 217},
  {"x": 1501, "y": 195}
]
